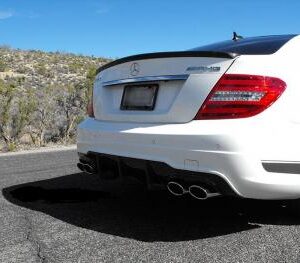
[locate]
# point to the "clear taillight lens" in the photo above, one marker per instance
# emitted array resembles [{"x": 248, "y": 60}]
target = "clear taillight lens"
[{"x": 240, "y": 96}]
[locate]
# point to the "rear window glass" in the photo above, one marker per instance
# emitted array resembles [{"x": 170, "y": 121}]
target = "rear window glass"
[{"x": 249, "y": 46}]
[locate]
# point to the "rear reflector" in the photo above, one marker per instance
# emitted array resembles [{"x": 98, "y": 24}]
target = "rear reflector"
[
  {"x": 90, "y": 107},
  {"x": 90, "y": 110},
  {"x": 240, "y": 96}
]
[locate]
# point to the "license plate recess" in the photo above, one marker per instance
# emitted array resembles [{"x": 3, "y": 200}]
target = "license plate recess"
[{"x": 139, "y": 97}]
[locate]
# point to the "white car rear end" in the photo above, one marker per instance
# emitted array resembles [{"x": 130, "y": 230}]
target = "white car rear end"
[{"x": 224, "y": 118}]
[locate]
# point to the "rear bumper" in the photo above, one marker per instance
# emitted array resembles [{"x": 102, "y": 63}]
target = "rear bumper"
[
  {"x": 154, "y": 175},
  {"x": 199, "y": 147}
]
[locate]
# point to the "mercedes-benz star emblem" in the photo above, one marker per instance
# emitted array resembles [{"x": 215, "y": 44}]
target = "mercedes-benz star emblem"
[{"x": 134, "y": 69}]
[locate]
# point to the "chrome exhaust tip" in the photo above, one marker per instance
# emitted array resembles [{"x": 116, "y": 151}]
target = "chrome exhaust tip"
[
  {"x": 81, "y": 167},
  {"x": 201, "y": 193},
  {"x": 198, "y": 192},
  {"x": 176, "y": 189},
  {"x": 89, "y": 169}
]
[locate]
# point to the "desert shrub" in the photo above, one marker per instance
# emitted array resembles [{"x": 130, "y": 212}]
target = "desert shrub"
[
  {"x": 16, "y": 108},
  {"x": 46, "y": 104},
  {"x": 2, "y": 66}
]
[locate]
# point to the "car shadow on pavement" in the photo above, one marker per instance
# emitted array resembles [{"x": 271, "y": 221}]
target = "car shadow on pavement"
[{"x": 80, "y": 200}]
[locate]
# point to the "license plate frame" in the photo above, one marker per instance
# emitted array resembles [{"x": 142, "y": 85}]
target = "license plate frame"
[{"x": 139, "y": 89}]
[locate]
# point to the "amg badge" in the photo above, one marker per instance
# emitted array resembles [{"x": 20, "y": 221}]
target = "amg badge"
[{"x": 203, "y": 69}]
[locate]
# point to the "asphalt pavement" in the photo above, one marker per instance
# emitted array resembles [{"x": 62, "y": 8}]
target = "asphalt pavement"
[{"x": 50, "y": 212}]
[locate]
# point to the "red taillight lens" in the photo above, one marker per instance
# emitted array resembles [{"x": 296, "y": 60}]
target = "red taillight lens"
[
  {"x": 240, "y": 96},
  {"x": 90, "y": 108}
]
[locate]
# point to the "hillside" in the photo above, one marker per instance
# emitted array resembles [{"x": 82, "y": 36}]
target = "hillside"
[
  {"x": 42, "y": 96},
  {"x": 38, "y": 69}
]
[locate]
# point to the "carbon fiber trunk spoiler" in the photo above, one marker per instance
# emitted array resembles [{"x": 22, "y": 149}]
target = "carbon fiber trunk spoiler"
[{"x": 173, "y": 54}]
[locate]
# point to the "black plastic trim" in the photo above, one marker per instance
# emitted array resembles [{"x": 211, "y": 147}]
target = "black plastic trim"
[
  {"x": 154, "y": 174},
  {"x": 282, "y": 167},
  {"x": 173, "y": 54}
]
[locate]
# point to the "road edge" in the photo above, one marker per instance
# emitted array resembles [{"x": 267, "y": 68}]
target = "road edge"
[{"x": 41, "y": 150}]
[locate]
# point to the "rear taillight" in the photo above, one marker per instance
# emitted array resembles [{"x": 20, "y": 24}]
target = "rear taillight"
[
  {"x": 240, "y": 96},
  {"x": 90, "y": 108}
]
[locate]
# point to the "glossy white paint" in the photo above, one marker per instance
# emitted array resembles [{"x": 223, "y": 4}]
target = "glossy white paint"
[
  {"x": 233, "y": 149},
  {"x": 177, "y": 101}
]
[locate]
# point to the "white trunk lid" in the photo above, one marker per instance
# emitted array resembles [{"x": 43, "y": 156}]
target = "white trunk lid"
[{"x": 184, "y": 79}]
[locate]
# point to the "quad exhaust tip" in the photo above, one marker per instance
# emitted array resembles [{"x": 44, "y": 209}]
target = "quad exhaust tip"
[
  {"x": 176, "y": 189},
  {"x": 196, "y": 191},
  {"x": 87, "y": 168},
  {"x": 81, "y": 167}
]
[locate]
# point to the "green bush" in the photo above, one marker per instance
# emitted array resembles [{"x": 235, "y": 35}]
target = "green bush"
[{"x": 2, "y": 66}]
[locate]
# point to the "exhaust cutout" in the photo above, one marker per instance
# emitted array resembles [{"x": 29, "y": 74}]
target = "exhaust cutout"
[
  {"x": 201, "y": 193},
  {"x": 176, "y": 189}
]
